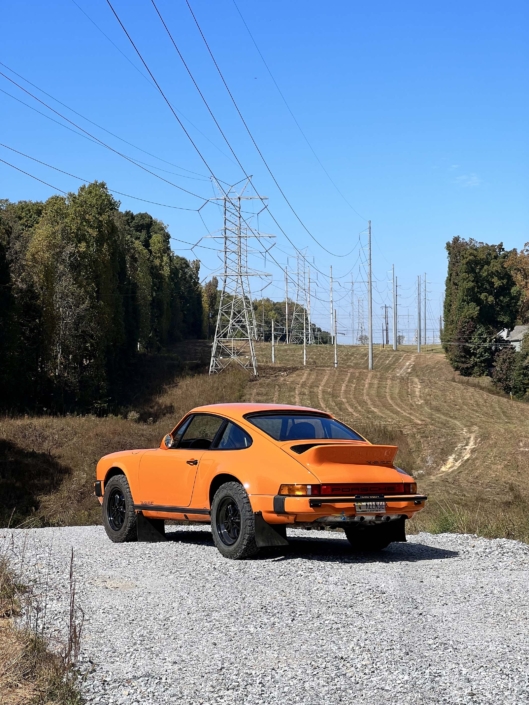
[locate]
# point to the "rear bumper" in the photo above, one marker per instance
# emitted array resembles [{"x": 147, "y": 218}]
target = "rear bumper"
[{"x": 283, "y": 509}]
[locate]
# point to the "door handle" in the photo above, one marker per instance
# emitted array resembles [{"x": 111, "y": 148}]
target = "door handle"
[{"x": 192, "y": 462}]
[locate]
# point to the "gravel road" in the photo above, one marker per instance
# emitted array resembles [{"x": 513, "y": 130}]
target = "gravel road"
[{"x": 441, "y": 619}]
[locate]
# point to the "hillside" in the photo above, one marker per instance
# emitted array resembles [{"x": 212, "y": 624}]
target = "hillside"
[{"x": 467, "y": 447}]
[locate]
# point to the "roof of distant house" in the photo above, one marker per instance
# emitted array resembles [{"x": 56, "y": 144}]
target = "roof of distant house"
[{"x": 517, "y": 334}]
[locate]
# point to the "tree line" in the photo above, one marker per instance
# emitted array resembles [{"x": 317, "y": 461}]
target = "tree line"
[
  {"x": 84, "y": 289},
  {"x": 487, "y": 291}
]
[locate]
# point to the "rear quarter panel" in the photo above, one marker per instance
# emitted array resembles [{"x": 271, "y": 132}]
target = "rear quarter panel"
[{"x": 261, "y": 468}]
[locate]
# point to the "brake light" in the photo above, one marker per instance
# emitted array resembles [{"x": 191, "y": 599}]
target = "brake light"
[
  {"x": 375, "y": 488},
  {"x": 300, "y": 490},
  {"x": 349, "y": 489}
]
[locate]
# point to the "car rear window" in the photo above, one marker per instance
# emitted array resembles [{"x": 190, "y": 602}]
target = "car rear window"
[{"x": 302, "y": 427}]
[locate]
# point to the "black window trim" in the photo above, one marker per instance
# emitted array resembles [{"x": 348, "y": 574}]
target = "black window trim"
[
  {"x": 284, "y": 412},
  {"x": 216, "y": 439}
]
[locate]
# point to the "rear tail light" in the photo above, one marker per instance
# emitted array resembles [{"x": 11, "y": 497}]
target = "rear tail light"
[
  {"x": 300, "y": 490},
  {"x": 348, "y": 489},
  {"x": 377, "y": 488}
]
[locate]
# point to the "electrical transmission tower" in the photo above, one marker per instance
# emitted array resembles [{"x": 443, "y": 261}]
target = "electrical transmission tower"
[
  {"x": 236, "y": 327},
  {"x": 298, "y": 326}
]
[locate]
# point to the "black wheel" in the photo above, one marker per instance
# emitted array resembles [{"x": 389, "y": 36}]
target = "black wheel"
[
  {"x": 370, "y": 539},
  {"x": 232, "y": 522},
  {"x": 119, "y": 517}
]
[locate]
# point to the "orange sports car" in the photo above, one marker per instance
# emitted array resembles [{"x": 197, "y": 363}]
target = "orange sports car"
[{"x": 254, "y": 470}]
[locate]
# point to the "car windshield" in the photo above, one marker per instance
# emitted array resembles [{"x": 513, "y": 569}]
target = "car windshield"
[{"x": 302, "y": 427}]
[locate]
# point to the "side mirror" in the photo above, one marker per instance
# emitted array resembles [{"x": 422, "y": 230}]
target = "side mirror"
[{"x": 168, "y": 441}]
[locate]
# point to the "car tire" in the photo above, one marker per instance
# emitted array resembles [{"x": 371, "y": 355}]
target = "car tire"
[
  {"x": 368, "y": 540},
  {"x": 233, "y": 522},
  {"x": 119, "y": 517}
]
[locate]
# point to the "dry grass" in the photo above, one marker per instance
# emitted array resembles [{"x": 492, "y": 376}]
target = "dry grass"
[
  {"x": 47, "y": 464},
  {"x": 466, "y": 447},
  {"x": 30, "y": 672}
]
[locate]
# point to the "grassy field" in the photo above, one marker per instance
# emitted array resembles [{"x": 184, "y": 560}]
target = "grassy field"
[{"x": 467, "y": 446}]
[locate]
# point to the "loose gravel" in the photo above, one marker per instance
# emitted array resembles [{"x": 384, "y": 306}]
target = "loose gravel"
[{"x": 441, "y": 619}]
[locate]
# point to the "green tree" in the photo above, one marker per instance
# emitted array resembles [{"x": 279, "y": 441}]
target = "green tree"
[{"x": 481, "y": 298}]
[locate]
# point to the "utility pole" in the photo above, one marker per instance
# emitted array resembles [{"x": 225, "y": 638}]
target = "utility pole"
[
  {"x": 273, "y": 344},
  {"x": 332, "y": 307},
  {"x": 386, "y": 312},
  {"x": 286, "y": 304},
  {"x": 440, "y": 328},
  {"x": 311, "y": 337},
  {"x": 304, "y": 338},
  {"x": 369, "y": 300},
  {"x": 424, "y": 314},
  {"x": 299, "y": 308},
  {"x": 419, "y": 313},
  {"x": 395, "y": 318},
  {"x": 335, "y": 341},
  {"x": 352, "y": 312}
]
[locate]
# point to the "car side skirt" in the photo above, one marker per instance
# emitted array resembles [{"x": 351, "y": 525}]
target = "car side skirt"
[{"x": 162, "y": 509}]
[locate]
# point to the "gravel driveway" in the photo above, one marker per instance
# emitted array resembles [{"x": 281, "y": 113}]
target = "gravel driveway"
[{"x": 441, "y": 619}]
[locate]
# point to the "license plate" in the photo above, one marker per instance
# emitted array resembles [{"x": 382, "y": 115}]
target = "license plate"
[{"x": 370, "y": 507}]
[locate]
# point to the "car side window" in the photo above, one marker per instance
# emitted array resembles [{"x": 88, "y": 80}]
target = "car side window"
[
  {"x": 201, "y": 431},
  {"x": 234, "y": 438}
]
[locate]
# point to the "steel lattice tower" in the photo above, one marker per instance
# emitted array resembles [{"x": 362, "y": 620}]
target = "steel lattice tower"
[
  {"x": 298, "y": 326},
  {"x": 236, "y": 327}
]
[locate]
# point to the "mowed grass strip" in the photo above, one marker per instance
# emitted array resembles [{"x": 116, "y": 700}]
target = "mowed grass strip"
[{"x": 467, "y": 446}]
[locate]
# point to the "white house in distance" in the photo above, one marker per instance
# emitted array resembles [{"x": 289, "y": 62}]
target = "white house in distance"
[{"x": 515, "y": 336}]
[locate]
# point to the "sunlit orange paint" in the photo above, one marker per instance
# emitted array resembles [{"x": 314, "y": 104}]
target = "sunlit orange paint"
[{"x": 177, "y": 481}]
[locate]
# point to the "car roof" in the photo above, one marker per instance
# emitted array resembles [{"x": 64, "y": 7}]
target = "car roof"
[{"x": 238, "y": 410}]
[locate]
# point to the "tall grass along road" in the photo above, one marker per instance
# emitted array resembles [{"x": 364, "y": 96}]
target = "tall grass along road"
[{"x": 441, "y": 619}]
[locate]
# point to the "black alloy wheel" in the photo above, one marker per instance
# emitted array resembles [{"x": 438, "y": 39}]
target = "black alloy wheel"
[
  {"x": 116, "y": 509},
  {"x": 229, "y": 521},
  {"x": 119, "y": 517},
  {"x": 233, "y": 522}
]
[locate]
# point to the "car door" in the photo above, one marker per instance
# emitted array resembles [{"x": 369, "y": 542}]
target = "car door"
[{"x": 167, "y": 476}]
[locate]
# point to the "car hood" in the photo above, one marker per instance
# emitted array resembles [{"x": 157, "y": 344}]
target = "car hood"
[{"x": 350, "y": 461}]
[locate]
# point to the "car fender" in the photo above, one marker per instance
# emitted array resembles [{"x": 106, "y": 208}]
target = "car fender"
[{"x": 126, "y": 461}]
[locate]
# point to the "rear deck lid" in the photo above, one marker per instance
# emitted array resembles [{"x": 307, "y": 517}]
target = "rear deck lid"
[{"x": 346, "y": 461}]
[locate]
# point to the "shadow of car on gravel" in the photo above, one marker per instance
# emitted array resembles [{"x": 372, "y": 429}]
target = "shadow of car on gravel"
[{"x": 333, "y": 550}]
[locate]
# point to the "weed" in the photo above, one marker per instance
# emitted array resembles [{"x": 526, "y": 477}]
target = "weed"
[{"x": 31, "y": 673}]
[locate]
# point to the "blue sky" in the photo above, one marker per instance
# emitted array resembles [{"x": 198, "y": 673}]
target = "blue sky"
[{"x": 417, "y": 110}]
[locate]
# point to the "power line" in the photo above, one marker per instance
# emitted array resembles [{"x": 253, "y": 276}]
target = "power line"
[
  {"x": 131, "y": 144},
  {"x": 87, "y": 181},
  {"x": 292, "y": 114},
  {"x": 214, "y": 119},
  {"x": 189, "y": 136},
  {"x": 145, "y": 77},
  {"x": 104, "y": 144},
  {"x": 55, "y": 188},
  {"x": 333, "y": 254},
  {"x": 200, "y": 153}
]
